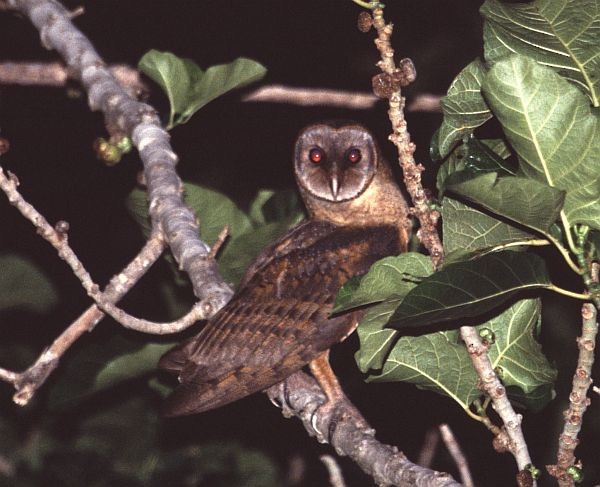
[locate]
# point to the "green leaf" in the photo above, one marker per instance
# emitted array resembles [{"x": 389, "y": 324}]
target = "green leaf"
[
  {"x": 440, "y": 362},
  {"x": 561, "y": 34},
  {"x": 497, "y": 146},
  {"x": 270, "y": 206},
  {"x": 437, "y": 361},
  {"x": 475, "y": 157},
  {"x": 176, "y": 76},
  {"x": 468, "y": 289},
  {"x": 464, "y": 108},
  {"x": 189, "y": 88},
  {"x": 466, "y": 229},
  {"x": 528, "y": 202},
  {"x": 516, "y": 355},
  {"x": 551, "y": 127},
  {"x": 24, "y": 285},
  {"x": 81, "y": 368},
  {"x": 388, "y": 277},
  {"x": 375, "y": 339},
  {"x": 272, "y": 214},
  {"x": 456, "y": 162},
  {"x": 130, "y": 365},
  {"x": 214, "y": 211}
]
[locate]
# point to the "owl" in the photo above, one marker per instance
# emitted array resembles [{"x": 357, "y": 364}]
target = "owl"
[{"x": 280, "y": 319}]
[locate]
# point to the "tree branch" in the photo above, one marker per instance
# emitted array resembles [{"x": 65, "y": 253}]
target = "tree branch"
[
  {"x": 388, "y": 85},
  {"x": 125, "y": 115},
  {"x": 578, "y": 400},
  {"x": 57, "y": 74},
  {"x": 349, "y": 433},
  {"x": 28, "y": 381},
  {"x": 457, "y": 455},
  {"x": 57, "y": 237},
  {"x": 491, "y": 385}
]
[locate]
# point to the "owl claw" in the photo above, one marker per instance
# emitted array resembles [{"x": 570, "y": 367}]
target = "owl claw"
[{"x": 313, "y": 422}]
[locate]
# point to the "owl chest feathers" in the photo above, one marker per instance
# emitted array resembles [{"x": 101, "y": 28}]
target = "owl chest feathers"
[{"x": 380, "y": 204}]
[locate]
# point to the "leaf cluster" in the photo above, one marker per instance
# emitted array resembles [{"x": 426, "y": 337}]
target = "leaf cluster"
[{"x": 538, "y": 183}]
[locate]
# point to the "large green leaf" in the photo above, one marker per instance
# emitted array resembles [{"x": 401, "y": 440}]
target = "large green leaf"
[
  {"x": 561, "y": 34},
  {"x": 440, "y": 362},
  {"x": 464, "y": 108},
  {"x": 466, "y": 229},
  {"x": 528, "y": 202},
  {"x": 389, "y": 277},
  {"x": 375, "y": 339},
  {"x": 436, "y": 361},
  {"x": 189, "y": 88},
  {"x": 550, "y": 125},
  {"x": 471, "y": 288},
  {"x": 515, "y": 354},
  {"x": 24, "y": 285}
]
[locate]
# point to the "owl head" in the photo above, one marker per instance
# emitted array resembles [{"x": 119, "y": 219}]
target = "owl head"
[{"x": 335, "y": 162}]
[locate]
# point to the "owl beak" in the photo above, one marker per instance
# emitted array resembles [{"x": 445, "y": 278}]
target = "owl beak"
[
  {"x": 334, "y": 182},
  {"x": 335, "y": 185}
]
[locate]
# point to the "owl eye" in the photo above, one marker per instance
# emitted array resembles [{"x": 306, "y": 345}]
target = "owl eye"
[
  {"x": 316, "y": 155},
  {"x": 353, "y": 156}
]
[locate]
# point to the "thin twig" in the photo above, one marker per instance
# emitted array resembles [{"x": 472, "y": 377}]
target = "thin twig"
[
  {"x": 457, "y": 455},
  {"x": 578, "y": 400},
  {"x": 219, "y": 242},
  {"x": 388, "y": 85},
  {"x": 58, "y": 238},
  {"x": 28, "y": 381},
  {"x": 491, "y": 385},
  {"x": 430, "y": 443},
  {"x": 336, "y": 479},
  {"x": 7, "y": 468}
]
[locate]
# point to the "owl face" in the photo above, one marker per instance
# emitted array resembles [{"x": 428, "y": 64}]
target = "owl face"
[{"x": 335, "y": 163}]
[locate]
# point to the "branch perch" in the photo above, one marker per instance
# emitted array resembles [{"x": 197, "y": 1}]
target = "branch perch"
[
  {"x": 300, "y": 395},
  {"x": 578, "y": 400}
]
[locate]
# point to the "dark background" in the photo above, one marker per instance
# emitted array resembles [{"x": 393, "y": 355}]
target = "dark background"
[{"x": 236, "y": 148}]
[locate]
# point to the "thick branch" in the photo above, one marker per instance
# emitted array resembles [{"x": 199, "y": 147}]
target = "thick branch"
[
  {"x": 125, "y": 115},
  {"x": 350, "y": 435},
  {"x": 578, "y": 400}
]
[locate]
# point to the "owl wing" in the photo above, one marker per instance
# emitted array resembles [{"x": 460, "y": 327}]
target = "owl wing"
[{"x": 279, "y": 319}]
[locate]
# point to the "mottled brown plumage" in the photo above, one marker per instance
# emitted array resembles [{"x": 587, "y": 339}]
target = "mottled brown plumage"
[{"x": 278, "y": 321}]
